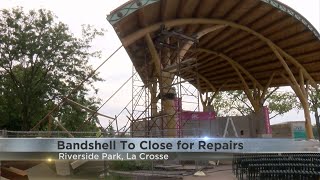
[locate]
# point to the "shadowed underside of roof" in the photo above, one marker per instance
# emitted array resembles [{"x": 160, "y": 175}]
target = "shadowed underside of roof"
[{"x": 236, "y": 38}]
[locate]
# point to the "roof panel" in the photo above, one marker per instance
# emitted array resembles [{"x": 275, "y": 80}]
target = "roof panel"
[{"x": 274, "y": 21}]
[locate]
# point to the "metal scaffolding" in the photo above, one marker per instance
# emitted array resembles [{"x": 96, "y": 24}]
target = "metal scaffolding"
[{"x": 157, "y": 100}]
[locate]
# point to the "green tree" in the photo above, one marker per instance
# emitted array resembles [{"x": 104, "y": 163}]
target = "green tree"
[
  {"x": 236, "y": 103},
  {"x": 41, "y": 61}
]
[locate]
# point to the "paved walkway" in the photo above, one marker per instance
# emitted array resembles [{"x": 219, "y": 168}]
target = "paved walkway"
[
  {"x": 42, "y": 171},
  {"x": 222, "y": 172}
]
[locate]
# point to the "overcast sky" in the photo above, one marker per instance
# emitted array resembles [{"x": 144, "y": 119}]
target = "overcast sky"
[{"x": 118, "y": 69}]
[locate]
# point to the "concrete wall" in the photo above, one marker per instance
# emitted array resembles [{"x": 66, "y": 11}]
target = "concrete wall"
[
  {"x": 293, "y": 129},
  {"x": 244, "y": 126},
  {"x": 281, "y": 131},
  {"x": 248, "y": 126}
]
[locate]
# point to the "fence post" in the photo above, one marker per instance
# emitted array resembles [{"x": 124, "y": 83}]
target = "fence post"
[{"x": 4, "y": 133}]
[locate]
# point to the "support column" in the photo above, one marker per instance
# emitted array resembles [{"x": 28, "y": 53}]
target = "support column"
[
  {"x": 306, "y": 106},
  {"x": 247, "y": 91},
  {"x": 298, "y": 89},
  {"x": 168, "y": 95},
  {"x": 307, "y": 116}
]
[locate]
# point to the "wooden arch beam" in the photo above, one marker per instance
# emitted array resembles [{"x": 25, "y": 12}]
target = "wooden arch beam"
[
  {"x": 205, "y": 80},
  {"x": 188, "y": 44},
  {"x": 234, "y": 64},
  {"x": 237, "y": 67},
  {"x": 126, "y": 41},
  {"x": 154, "y": 54}
]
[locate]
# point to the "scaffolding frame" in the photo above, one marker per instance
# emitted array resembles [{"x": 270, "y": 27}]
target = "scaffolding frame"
[{"x": 146, "y": 123}]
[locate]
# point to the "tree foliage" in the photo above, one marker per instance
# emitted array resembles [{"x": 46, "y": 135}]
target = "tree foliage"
[
  {"x": 232, "y": 103},
  {"x": 41, "y": 61}
]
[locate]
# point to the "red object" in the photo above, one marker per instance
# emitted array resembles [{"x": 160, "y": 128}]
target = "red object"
[
  {"x": 190, "y": 115},
  {"x": 186, "y": 116},
  {"x": 267, "y": 120},
  {"x": 178, "y": 104}
]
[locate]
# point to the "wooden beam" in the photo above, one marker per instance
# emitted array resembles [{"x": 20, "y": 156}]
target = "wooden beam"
[
  {"x": 141, "y": 18},
  {"x": 163, "y": 10},
  {"x": 126, "y": 41},
  {"x": 155, "y": 57},
  {"x": 300, "y": 93},
  {"x": 217, "y": 91},
  {"x": 265, "y": 89},
  {"x": 306, "y": 106},
  {"x": 284, "y": 76},
  {"x": 306, "y": 109},
  {"x": 16, "y": 171},
  {"x": 178, "y": 66},
  {"x": 246, "y": 89},
  {"x": 188, "y": 44},
  {"x": 299, "y": 66},
  {"x": 208, "y": 59},
  {"x": 205, "y": 80},
  {"x": 231, "y": 61},
  {"x": 294, "y": 88},
  {"x": 286, "y": 67},
  {"x": 301, "y": 81},
  {"x": 86, "y": 108},
  {"x": 62, "y": 127}
]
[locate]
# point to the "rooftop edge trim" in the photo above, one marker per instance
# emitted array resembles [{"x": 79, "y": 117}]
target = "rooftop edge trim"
[{"x": 134, "y": 5}]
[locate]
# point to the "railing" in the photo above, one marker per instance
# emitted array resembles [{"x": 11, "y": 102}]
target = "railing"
[{"x": 85, "y": 134}]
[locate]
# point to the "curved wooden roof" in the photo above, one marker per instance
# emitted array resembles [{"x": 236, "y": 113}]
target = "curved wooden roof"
[{"x": 237, "y": 40}]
